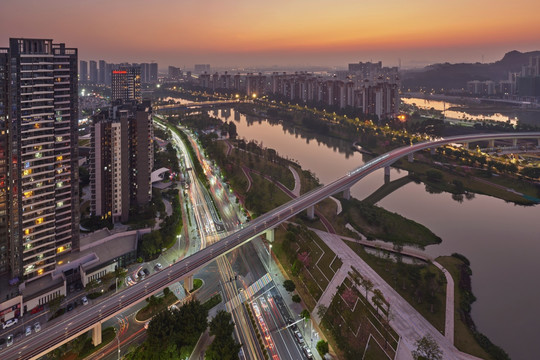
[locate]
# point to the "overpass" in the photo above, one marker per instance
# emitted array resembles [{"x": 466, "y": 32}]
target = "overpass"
[
  {"x": 91, "y": 317},
  {"x": 195, "y": 105}
]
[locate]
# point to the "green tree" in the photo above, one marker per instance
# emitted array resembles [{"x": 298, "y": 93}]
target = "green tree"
[
  {"x": 224, "y": 347},
  {"x": 322, "y": 347},
  {"x": 54, "y": 304},
  {"x": 296, "y": 298},
  {"x": 221, "y": 325},
  {"x": 289, "y": 285},
  {"x": 427, "y": 348}
]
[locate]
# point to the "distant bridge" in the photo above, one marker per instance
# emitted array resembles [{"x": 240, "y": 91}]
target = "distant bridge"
[{"x": 195, "y": 105}]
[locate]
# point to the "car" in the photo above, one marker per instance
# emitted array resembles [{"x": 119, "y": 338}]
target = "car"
[
  {"x": 299, "y": 337},
  {"x": 70, "y": 307},
  {"x": 308, "y": 353},
  {"x": 28, "y": 331},
  {"x": 37, "y": 327},
  {"x": 84, "y": 300},
  {"x": 9, "y": 341},
  {"x": 36, "y": 309},
  {"x": 141, "y": 275},
  {"x": 158, "y": 267},
  {"x": 9, "y": 323},
  {"x": 146, "y": 271},
  {"x": 129, "y": 280}
]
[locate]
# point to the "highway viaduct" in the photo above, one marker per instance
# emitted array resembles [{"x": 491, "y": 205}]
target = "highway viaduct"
[{"x": 91, "y": 317}]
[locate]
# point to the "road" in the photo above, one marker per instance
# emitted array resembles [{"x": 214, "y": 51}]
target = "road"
[{"x": 70, "y": 328}]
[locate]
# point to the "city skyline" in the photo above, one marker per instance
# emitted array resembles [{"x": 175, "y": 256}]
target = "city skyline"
[{"x": 286, "y": 34}]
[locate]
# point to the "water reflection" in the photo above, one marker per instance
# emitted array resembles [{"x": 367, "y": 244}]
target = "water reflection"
[
  {"x": 501, "y": 239},
  {"x": 512, "y": 114}
]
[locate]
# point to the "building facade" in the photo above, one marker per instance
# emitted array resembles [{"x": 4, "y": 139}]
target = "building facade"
[
  {"x": 83, "y": 72},
  {"x": 126, "y": 83},
  {"x": 41, "y": 126},
  {"x": 121, "y": 160}
]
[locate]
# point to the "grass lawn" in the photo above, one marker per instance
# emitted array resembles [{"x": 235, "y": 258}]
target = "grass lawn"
[
  {"x": 400, "y": 278},
  {"x": 463, "y": 338},
  {"x": 353, "y": 324},
  {"x": 213, "y": 301},
  {"x": 197, "y": 283},
  {"x": 148, "y": 311},
  {"x": 323, "y": 263},
  {"x": 471, "y": 184}
]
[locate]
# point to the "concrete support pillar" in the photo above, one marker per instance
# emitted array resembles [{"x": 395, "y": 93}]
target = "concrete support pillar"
[
  {"x": 269, "y": 235},
  {"x": 514, "y": 142},
  {"x": 188, "y": 283},
  {"x": 466, "y": 145},
  {"x": 410, "y": 157},
  {"x": 347, "y": 194},
  {"x": 96, "y": 334},
  {"x": 311, "y": 212},
  {"x": 491, "y": 144},
  {"x": 386, "y": 174}
]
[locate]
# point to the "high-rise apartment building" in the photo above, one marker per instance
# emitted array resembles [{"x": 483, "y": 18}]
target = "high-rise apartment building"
[
  {"x": 83, "y": 72},
  {"x": 153, "y": 73},
  {"x": 121, "y": 159},
  {"x": 101, "y": 73},
  {"x": 38, "y": 110},
  {"x": 145, "y": 73},
  {"x": 93, "y": 79},
  {"x": 200, "y": 68},
  {"x": 126, "y": 83},
  {"x": 4, "y": 160}
]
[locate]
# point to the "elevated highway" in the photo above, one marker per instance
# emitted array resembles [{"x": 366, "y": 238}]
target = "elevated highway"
[{"x": 91, "y": 317}]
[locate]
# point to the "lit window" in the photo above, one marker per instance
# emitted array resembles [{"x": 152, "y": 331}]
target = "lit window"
[
  {"x": 40, "y": 271},
  {"x": 39, "y": 221},
  {"x": 60, "y": 249}
]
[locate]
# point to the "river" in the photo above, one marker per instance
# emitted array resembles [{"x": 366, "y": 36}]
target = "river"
[
  {"x": 512, "y": 114},
  {"x": 501, "y": 240}
]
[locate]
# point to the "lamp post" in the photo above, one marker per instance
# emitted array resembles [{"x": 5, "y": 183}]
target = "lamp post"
[
  {"x": 118, "y": 339},
  {"x": 270, "y": 257}
]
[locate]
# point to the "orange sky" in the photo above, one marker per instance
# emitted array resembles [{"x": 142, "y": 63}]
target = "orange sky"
[{"x": 282, "y": 32}]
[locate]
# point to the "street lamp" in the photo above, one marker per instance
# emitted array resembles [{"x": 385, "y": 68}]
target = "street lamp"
[
  {"x": 270, "y": 257},
  {"x": 118, "y": 339}
]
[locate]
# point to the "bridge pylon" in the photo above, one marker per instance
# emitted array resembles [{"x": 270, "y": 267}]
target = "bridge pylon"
[
  {"x": 347, "y": 194},
  {"x": 269, "y": 235},
  {"x": 188, "y": 283},
  {"x": 386, "y": 174},
  {"x": 96, "y": 334},
  {"x": 311, "y": 212}
]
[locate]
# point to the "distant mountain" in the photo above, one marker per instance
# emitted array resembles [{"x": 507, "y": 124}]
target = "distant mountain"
[{"x": 455, "y": 76}]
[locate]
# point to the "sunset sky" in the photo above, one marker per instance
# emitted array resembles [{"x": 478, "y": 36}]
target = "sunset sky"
[{"x": 279, "y": 32}]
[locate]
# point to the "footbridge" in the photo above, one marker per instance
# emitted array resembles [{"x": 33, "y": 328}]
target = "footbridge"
[{"x": 91, "y": 317}]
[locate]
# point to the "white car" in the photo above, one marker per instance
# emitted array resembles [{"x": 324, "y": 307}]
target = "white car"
[
  {"x": 9, "y": 340},
  {"x": 9, "y": 323},
  {"x": 28, "y": 331},
  {"x": 158, "y": 266},
  {"x": 84, "y": 300},
  {"x": 37, "y": 327}
]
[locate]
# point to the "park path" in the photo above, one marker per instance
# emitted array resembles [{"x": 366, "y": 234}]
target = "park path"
[
  {"x": 297, "y": 184},
  {"x": 406, "y": 320},
  {"x": 330, "y": 291},
  {"x": 246, "y": 170}
]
